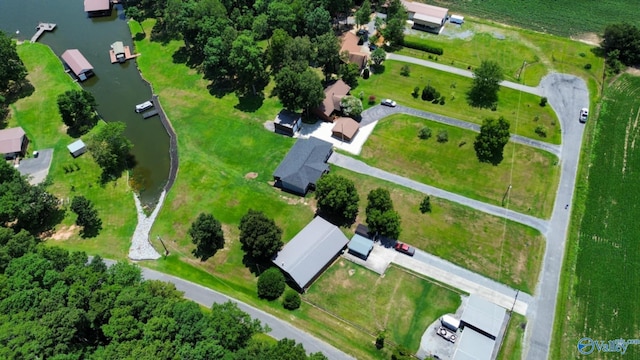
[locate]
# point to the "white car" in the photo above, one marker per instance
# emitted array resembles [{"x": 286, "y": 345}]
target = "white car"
[
  {"x": 584, "y": 113},
  {"x": 389, "y": 102}
]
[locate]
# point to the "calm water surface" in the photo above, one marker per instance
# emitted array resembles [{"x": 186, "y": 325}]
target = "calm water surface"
[{"x": 116, "y": 87}]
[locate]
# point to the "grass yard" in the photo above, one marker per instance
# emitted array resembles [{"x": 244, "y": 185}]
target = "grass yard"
[
  {"x": 564, "y": 17},
  {"x": 521, "y": 109},
  {"x": 505, "y": 251},
  {"x": 511, "y": 348},
  {"x": 600, "y": 283},
  {"x": 453, "y": 165},
  {"x": 478, "y": 39},
  {"x": 400, "y": 303},
  {"x": 38, "y": 115}
]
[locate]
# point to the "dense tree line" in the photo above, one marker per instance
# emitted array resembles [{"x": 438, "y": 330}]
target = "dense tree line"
[
  {"x": 621, "y": 45},
  {"x": 12, "y": 70},
  {"x": 56, "y": 304}
]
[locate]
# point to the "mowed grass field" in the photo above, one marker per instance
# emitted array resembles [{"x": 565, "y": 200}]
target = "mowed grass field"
[
  {"x": 38, "y": 115},
  {"x": 601, "y": 283},
  {"x": 508, "y": 252},
  {"x": 468, "y": 45},
  {"x": 399, "y": 303},
  {"x": 453, "y": 165},
  {"x": 521, "y": 109},
  {"x": 561, "y": 17}
]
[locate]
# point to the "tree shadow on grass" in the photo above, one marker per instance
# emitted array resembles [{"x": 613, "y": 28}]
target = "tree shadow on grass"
[
  {"x": 256, "y": 267},
  {"x": 181, "y": 56},
  {"x": 250, "y": 103},
  {"x": 378, "y": 69},
  {"x": 139, "y": 36},
  {"x": 219, "y": 89}
]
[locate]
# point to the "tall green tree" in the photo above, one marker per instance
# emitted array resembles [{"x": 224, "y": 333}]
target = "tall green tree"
[
  {"x": 299, "y": 90},
  {"x": 12, "y": 70},
  {"x": 206, "y": 233},
  {"x": 276, "y": 52},
  {"x": 77, "y": 108},
  {"x": 382, "y": 219},
  {"x": 337, "y": 199},
  {"x": 486, "y": 84},
  {"x": 378, "y": 56},
  {"x": 281, "y": 16},
  {"x": 363, "y": 15},
  {"x": 349, "y": 73},
  {"x": 271, "y": 284},
  {"x": 317, "y": 22},
  {"x": 110, "y": 149},
  {"x": 246, "y": 58},
  {"x": 87, "y": 216},
  {"x": 625, "y": 38},
  {"x": 260, "y": 237},
  {"x": 491, "y": 140},
  {"x": 351, "y": 106},
  {"x": 395, "y": 23},
  {"x": 328, "y": 54},
  {"x": 216, "y": 62}
]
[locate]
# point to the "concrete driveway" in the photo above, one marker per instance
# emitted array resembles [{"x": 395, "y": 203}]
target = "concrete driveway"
[{"x": 37, "y": 168}]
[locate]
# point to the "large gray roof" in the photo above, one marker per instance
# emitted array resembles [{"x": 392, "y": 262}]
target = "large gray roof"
[
  {"x": 310, "y": 251},
  {"x": 304, "y": 164},
  {"x": 484, "y": 315},
  {"x": 473, "y": 346}
]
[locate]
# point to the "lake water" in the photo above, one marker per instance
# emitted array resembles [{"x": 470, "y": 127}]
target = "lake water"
[{"x": 116, "y": 87}]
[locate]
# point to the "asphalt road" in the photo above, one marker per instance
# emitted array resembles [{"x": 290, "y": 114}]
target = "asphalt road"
[{"x": 279, "y": 329}]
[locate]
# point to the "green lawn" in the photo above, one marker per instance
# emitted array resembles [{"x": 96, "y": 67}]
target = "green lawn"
[
  {"x": 400, "y": 303},
  {"x": 522, "y": 110},
  {"x": 600, "y": 283},
  {"x": 478, "y": 40},
  {"x": 38, "y": 115},
  {"x": 511, "y": 348},
  {"x": 561, "y": 17},
  {"x": 453, "y": 165},
  {"x": 506, "y": 251}
]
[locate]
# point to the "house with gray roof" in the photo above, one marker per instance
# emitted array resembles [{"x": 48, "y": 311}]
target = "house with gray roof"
[
  {"x": 310, "y": 252},
  {"x": 483, "y": 323},
  {"x": 304, "y": 164}
]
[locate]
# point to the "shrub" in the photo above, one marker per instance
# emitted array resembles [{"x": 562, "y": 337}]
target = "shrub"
[
  {"x": 380, "y": 340},
  {"x": 494, "y": 107},
  {"x": 443, "y": 136},
  {"x": 366, "y": 73},
  {"x": 271, "y": 284},
  {"x": 416, "y": 92},
  {"x": 372, "y": 99},
  {"x": 291, "y": 300},
  {"x": 405, "y": 70},
  {"x": 543, "y": 101},
  {"x": 413, "y": 44},
  {"x": 429, "y": 93},
  {"x": 582, "y": 54},
  {"x": 441, "y": 102},
  {"x": 424, "y": 133},
  {"x": 425, "y": 205},
  {"x": 587, "y": 66},
  {"x": 541, "y": 131}
]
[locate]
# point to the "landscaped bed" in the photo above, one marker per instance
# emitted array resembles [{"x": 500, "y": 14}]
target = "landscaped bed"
[
  {"x": 453, "y": 165},
  {"x": 517, "y": 107}
]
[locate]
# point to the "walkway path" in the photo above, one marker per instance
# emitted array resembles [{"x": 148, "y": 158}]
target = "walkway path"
[
  {"x": 466, "y": 73},
  {"x": 378, "y": 112},
  {"x": 279, "y": 328},
  {"x": 362, "y": 168}
]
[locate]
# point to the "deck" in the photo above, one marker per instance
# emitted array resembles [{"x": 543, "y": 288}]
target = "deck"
[
  {"x": 127, "y": 55},
  {"x": 41, "y": 28}
]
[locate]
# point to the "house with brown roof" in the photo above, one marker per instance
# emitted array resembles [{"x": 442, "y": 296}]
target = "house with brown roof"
[
  {"x": 77, "y": 63},
  {"x": 350, "y": 45},
  {"x": 426, "y": 17},
  {"x": 13, "y": 142},
  {"x": 333, "y": 94},
  {"x": 345, "y": 128},
  {"x": 97, "y": 7}
]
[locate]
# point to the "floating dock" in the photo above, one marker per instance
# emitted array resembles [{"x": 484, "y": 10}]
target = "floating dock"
[
  {"x": 41, "y": 28},
  {"x": 150, "y": 113},
  {"x": 127, "y": 55}
]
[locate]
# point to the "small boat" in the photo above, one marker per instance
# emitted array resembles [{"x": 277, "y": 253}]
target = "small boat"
[{"x": 144, "y": 106}]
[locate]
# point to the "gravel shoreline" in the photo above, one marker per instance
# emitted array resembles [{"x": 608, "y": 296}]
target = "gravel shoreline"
[{"x": 141, "y": 248}]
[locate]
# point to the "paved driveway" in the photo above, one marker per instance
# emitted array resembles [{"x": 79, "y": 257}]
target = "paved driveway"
[{"x": 37, "y": 168}]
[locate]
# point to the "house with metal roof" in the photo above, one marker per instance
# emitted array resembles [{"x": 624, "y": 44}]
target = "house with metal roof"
[
  {"x": 304, "y": 164},
  {"x": 310, "y": 252},
  {"x": 13, "y": 142},
  {"x": 482, "y": 324},
  {"x": 426, "y": 17},
  {"x": 360, "y": 246},
  {"x": 77, "y": 63}
]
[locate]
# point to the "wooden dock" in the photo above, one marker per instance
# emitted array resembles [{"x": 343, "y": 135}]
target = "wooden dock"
[
  {"x": 41, "y": 28},
  {"x": 150, "y": 113},
  {"x": 127, "y": 55}
]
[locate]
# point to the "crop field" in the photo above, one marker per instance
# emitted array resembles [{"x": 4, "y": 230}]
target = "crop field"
[
  {"x": 561, "y": 17},
  {"x": 525, "y": 56},
  {"x": 601, "y": 283},
  {"x": 453, "y": 165},
  {"x": 398, "y": 302}
]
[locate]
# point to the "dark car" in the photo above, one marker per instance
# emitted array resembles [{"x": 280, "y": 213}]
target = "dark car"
[
  {"x": 372, "y": 47},
  {"x": 404, "y": 248},
  {"x": 584, "y": 113}
]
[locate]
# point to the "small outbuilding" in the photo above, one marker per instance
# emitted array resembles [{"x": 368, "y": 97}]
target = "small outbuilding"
[
  {"x": 456, "y": 19},
  {"x": 345, "y": 129},
  {"x": 287, "y": 122},
  {"x": 97, "y": 7},
  {"x": 77, "y": 148},
  {"x": 13, "y": 142},
  {"x": 77, "y": 63},
  {"x": 360, "y": 246},
  {"x": 310, "y": 252},
  {"x": 118, "y": 51},
  {"x": 425, "y": 17}
]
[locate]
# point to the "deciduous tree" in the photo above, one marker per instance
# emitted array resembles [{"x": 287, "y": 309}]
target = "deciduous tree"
[
  {"x": 625, "y": 38},
  {"x": 378, "y": 56},
  {"x": 271, "y": 284},
  {"x": 77, "y": 108},
  {"x": 206, "y": 233},
  {"x": 328, "y": 54},
  {"x": 260, "y": 237},
  {"x": 382, "y": 219},
  {"x": 363, "y": 15},
  {"x": 337, "y": 199},
  {"x": 486, "y": 84},
  {"x": 491, "y": 140},
  {"x": 87, "y": 216},
  {"x": 110, "y": 149},
  {"x": 299, "y": 90},
  {"x": 351, "y": 106},
  {"x": 12, "y": 70},
  {"x": 349, "y": 73},
  {"x": 246, "y": 58}
]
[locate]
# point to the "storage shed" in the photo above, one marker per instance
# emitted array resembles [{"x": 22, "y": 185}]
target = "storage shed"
[
  {"x": 426, "y": 17},
  {"x": 77, "y": 63},
  {"x": 360, "y": 246},
  {"x": 456, "y": 19},
  {"x": 287, "y": 123},
  {"x": 77, "y": 148},
  {"x": 310, "y": 252},
  {"x": 345, "y": 129}
]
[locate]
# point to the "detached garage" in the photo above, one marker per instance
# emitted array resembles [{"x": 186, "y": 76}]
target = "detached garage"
[
  {"x": 77, "y": 148},
  {"x": 345, "y": 128},
  {"x": 360, "y": 246}
]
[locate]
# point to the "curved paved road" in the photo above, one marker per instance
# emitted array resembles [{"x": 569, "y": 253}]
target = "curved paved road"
[
  {"x": 279, "y": 328},
  {"x": 362, "y": 168},
  {"x": 379, "y": 112}
]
